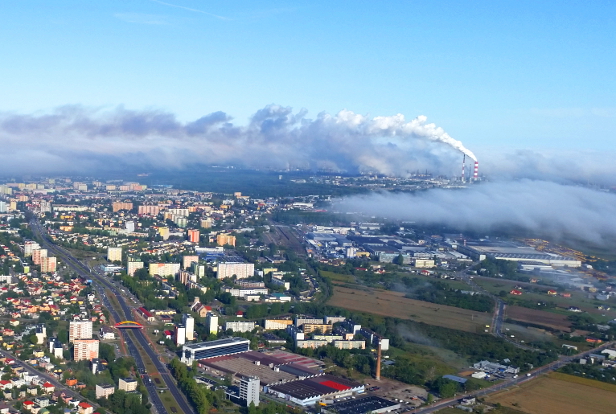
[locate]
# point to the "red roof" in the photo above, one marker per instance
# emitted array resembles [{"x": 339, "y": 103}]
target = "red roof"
[
  {"x": 28, "y": 403},
  {"x": 145, "y": 312},
  {"x": 47, "y": 385},
  {"x": 335, "y": 385},
  {"x": 83, "y": 405}
]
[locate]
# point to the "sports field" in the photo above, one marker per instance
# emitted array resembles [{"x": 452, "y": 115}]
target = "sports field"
[
  {"x": 394, "y": 304},
  {"x": 559, "y": 393}
]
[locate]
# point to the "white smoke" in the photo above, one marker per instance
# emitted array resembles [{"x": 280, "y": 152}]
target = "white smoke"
[
  {"x": 561, "y": 212},
  {"x": 88, "y": 138}
]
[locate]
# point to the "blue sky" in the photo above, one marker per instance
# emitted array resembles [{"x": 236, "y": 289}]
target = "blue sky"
[{"x": 494, "y": 74}]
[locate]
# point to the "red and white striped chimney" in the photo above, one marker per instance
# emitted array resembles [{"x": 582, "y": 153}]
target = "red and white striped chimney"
[{"x": 476, "y": 173}]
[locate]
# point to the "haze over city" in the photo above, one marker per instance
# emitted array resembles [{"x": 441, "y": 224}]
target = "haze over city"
[
  {"x": 283, "y": 207},
  {"x": 526, "y": 86}
]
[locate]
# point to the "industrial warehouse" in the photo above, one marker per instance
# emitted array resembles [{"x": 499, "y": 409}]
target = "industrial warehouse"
[
  {"x": 312, "y": 390},
  {"x": 515, "y": 252},
  {"x": 288, "y": 376}
]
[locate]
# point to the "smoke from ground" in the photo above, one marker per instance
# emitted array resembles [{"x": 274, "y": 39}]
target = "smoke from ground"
[
  {"x": 560, "y": 212},
  {"x": 86, "y": 139},
  {"x": 415, "y": 336}
]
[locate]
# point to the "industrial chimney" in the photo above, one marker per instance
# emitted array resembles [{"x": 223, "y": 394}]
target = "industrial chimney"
[
  {"x": 378, "y": 362},
  {"x": 476, "y": 173},
  {"x": 463, "y": 169}
]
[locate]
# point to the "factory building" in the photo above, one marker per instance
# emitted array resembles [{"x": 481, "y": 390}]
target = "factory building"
[
  {"x": 211, "y": 349},
  {"x": 371, "y": 404},
  {"x": 511, "y": 251},
  {"x": 312, "y": 390}
]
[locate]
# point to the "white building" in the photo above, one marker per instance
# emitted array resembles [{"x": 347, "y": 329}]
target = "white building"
[
  {"x": 272, "y": 324},
  {"x": 189, "y": 323},
  {"x": 104, "y": 390},
  {"x": 246, "y": 291},
  {"x": 249, "y": 390},
  {"x": 239, "y": 326},
  {"x": 114, "y": 254},
  {"x": 180, "y": 335},
  {"x": 237, "y": 269},
  {"x": 79, "y": 330},
  {"x": 164, "y": 269},
  {"x": 280, "y": 282},
  {"x": 211, "y": 323},
  {"x": 29, "y": 246},
  {"x": 132, "y": 267}
]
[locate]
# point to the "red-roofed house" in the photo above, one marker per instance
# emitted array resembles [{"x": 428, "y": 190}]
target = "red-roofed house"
[
  {"x": 146, "y": 314},
  {"x": 48, "y": 387},
  {"x": 516, "y": 292},
  {"x": 85, "y": 408},
  {"x": 28, "y": 405}
]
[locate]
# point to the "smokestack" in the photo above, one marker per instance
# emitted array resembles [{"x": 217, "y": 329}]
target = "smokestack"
[
  {"x": 378, "y": 363},
  {"x": 476, "y": 173},
  {"x": 463, "y": 168}
]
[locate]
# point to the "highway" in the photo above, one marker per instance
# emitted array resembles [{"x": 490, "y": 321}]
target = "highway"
[{"x": 102, "y": 283}]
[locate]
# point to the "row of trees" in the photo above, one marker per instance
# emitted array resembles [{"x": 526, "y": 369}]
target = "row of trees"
[
  {"x": 440, "y": 293},
  {"x": 200, "y": 397}
]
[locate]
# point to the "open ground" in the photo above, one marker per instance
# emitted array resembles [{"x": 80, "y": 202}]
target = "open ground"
[
  {"x": 394, "y": 304},
  {"x": 559, "y": 394},
  {"x": 538, "y": 317}
]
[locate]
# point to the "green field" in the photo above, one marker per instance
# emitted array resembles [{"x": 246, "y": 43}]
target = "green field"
[
  {"x": 559, "y": 393},
  {"x": 578, "y": 298},
  {"x": 337, "y": 277}
]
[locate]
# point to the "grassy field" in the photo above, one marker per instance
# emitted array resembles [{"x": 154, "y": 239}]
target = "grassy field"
[
  {"x": 337, "y": 277},
  {"x": 394, "y": 304},
  {"x": 578, "y": 298},
  {"x": 560, "y": 394},
  {"x": 538, "y": 317}
]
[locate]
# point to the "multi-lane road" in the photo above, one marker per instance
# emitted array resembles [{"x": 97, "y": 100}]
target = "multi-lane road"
[{"x": 102, "y": 284}]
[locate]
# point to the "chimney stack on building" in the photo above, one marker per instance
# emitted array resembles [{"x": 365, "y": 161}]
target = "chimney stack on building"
[{"x": 378, "y": 363}]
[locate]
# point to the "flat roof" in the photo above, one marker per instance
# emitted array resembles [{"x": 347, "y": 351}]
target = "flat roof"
[
  {"x": 362, "y": 405},
  {"x": 316, "y": 386},
  {"x": 216, "y": 343}
]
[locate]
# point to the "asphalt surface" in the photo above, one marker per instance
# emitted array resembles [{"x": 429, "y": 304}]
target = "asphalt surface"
[{"x": 101, "y": 283}]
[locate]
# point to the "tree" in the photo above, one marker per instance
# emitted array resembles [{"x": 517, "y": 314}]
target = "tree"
[{"x": 399, "y": 260}]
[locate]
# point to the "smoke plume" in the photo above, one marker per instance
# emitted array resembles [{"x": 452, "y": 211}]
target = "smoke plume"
[
  {"x": 560, "y": 212},
  {"x": 87, "y": 139}
]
